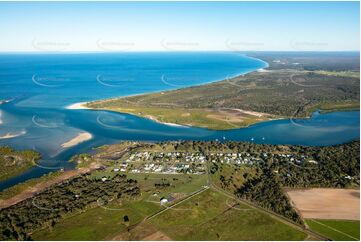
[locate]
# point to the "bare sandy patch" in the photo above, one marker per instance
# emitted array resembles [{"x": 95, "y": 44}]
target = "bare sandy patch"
[
  {"x": 141, "y": 231},
  {"x": 81, "y": 105},
  {"x": 12, "y": 135},
  {"x": 157, "y": 236},
  {"x": 241, "y": 111},
  {"x": 325, "y": 203},
  {"x": 81, "y": 137},
  {"x": 166, "y": 123}
]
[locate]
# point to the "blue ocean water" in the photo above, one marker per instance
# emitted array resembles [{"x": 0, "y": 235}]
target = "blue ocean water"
[{"x": 40, "y": 86}]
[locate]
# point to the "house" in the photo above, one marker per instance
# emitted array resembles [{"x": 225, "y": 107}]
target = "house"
[
  {"x": 116, "y": 169},
  {"x": 104, "y": 178}
]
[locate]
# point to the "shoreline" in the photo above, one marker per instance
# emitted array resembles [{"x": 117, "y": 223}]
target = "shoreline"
[
  {"x": 84, "y": 105},
  {"x": 77, "y": 106},
  {"x": 166, "y": 123},
  {"x": 80, "y": 105},
  {"x": 12, "y": 135}
]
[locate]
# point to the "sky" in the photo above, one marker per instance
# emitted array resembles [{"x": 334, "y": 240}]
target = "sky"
[{"x": 179, "y": 26}]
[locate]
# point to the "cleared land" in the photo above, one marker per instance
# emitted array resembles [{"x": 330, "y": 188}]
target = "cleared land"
[
  {"x": 319, "y": 203},
  {"x": 106, "y": 222},
  {"x": 336, "y": 229},
  {"x": 294, "y": 90},
  {"x": 214, "y": 216}
]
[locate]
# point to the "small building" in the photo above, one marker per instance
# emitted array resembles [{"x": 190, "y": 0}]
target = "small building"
[{"x": 163, "y": 201}]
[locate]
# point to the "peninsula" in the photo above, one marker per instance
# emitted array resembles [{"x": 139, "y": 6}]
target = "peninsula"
[{"x": 293, "y": 85}]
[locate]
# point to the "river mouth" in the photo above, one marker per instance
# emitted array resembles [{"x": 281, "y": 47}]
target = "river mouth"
[{"x": 36, "y": 117}]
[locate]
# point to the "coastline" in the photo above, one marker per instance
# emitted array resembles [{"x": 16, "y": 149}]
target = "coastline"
[
  {"x": 85, "y": 105},
  {"x": 80, "y": 105},
  {"x": 12, "y": 135},
  {"x": 229, "y": 123},
  {"x": 166, "y": 123},
  {"x": 76, "y": 106}
]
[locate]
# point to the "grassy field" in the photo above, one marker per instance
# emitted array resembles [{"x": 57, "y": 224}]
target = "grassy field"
[
  {"x": 336, "y": 229},
  {"x": 213, "y": 216},
  {"x": 209, "y": 215},
  {"x": 105, "y": 222},
  {"x": 94, "y": 224},
  {"x": 207, "y": 118}
]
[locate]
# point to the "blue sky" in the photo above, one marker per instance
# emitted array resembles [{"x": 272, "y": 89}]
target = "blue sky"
[{"x": 138, "y": 26}]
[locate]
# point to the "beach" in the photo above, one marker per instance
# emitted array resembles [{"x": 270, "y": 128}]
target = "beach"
[
  {"x": 12, "y": 135},
  {"x": 80, "y": 105},
  {"x": 81, "y": 137}
]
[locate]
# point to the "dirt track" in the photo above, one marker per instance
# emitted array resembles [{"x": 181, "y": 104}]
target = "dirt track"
[{"x": 324, "y": 203}]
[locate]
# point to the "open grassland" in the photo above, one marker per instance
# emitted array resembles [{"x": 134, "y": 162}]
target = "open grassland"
[
  {"x": 209, "y": 215},
  {"x": 208, "y": 118},
  {"x": 327, "y": 203},
  {"x": 94, "y": 224},
  {"x": 336, "y": 229},
  {"x": 107, "y": 221},
  {"x": 213, "y": 216}
]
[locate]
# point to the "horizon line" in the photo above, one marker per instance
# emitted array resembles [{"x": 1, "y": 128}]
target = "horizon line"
[{"x": 143, "y": 51}]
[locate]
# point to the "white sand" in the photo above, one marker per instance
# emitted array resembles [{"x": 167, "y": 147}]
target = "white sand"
[
  {"x": 12, "y": 135},
  {"x": 169, "y": 124},
  {"x": 262, "y": 70},
  {"x": 81, "y": 137},
  {"x": 80, "y": 105},
  {"x": 173, "y": 124}
]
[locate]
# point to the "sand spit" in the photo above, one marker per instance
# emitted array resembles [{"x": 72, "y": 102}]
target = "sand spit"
[{"x": 81, "y": 137}]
